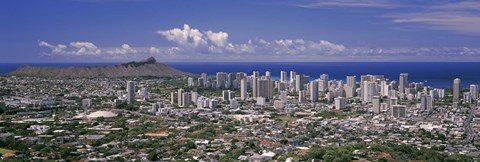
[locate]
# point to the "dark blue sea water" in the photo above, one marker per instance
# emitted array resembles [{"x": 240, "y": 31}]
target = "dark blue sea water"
[{"x": 435, "y": 74}]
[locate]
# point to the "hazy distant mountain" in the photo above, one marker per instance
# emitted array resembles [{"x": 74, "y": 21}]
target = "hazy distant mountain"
[{"x": 147, "y": 67}]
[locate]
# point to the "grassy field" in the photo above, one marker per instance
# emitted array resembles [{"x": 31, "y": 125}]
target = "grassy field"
[{"x": 3, "y": 151}]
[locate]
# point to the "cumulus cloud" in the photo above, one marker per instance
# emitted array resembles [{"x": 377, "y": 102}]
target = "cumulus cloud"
[
  {"x": 210, "y": 42},
  {"x": 187, "y": 36},
  {"x": 219, "y": 39},
  {"x": 86, "y": 48},
  {"x": 194, "y": 44},
  {"x": 75, "y": 48},
  {"x": 154, "y": 50},
  {"x": 124, "y": 49}
]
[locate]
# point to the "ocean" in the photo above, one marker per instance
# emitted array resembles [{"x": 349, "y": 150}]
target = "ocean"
[{"x": 435, "y": 74}]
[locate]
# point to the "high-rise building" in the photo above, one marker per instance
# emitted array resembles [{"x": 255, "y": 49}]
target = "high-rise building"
[
  {"x": 340, "y": 103},
  {"x": 474, "y": 91},
  {"x": 314, "y": 91},
  {"x": 399, "y": 111},
  {"x": 225, "y": 95},
  {"x": 186, "y": 99},
  {"x": 194, "y": 96},
  {"x": 393, "y": 101},
  {"x": 426, "y": 102},
  {"x": 385, "y": 88},
  {"x": 144, "y": 92},
  {"x": 283, "y": 76},
  {"x": 180, "y": 97},
  {"x": 221, "y": 79},
  {"x": 324, "y": 77},
  {"x": 268, "y": 75},
  {"x": 213, "y": 103},
  {"x": 403, "y": 82},
  {"x": 292, "y": 76},
  {"x": 263, "y": 88},
  {"x": 231, "y": 78},
  {"x": 190, "y": 82},
  {"x": 173, "y": 98},
  {"x": 231, "y": 95},
  {"x": 130, "y": 92},
  {"x": 456, "y": 89},
  {"x": 369, "y": 89},
  {"x": 350, "y": 86},
  {"x": 323, "y": 85},
  {"x": 255, "y": 87},
  {"x": 300, "y": 81},
  {"x": 256, "y": 74},
  {"x": 243, "y": 89},
  {"x": 376, "y": 104},
  {"x": 351, "y": 81},
  {"x": 467, "y": 98},
  {"x": 204, "y": 79},
  {"x": 302, "y": 96}
]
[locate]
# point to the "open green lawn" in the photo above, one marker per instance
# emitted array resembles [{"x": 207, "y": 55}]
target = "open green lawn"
[{"x": 3, "y": 151}]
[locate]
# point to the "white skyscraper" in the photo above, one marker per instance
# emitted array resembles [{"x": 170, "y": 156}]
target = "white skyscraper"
[
  {"x": 369, "y": 89},
  {"x": 130, "y": 92},
  {"x": 314, "y": 91},
  {"x": 298, "y": 83},
  {"x": 324, "y": 77},
  {"x": 243, "y": 89},
  {"x": 340, "y": 103},
  {"x": 292, "y": 76},
  {"x": 180, "y": 97},
  {"x": 144, "y": 92},
  {"x": 403, "y": 82},
  {"x": 302, "y": 96},
  {"x": 474, "y": 91},
  {"x": 350, "y": 87},
  {"x": 283, "y": 76},
  {"x": 376, "y": 104},
  {"x": 190, "y": 82},
  {"x": 323, "y": 85},
  {"x": 456, "y": 89}
]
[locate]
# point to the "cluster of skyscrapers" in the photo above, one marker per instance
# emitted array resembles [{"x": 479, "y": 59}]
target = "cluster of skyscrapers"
[{"x": 374, "y": 90}]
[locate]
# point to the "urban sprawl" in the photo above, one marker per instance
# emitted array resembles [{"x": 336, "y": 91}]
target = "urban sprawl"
[{"x": 237, "y": 117}]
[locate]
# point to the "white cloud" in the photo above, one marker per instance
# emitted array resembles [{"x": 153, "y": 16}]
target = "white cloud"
[
  {"x": 456, "y": 21},
  {"x": 349, "y": 3},
  {"x": 220, "y": 39},
  {"x": 185, "y": 37},
  {"x": 75, "y": 48},
  {"x": 217, "y": 43},
  {"x": 193, "y": 44},
  {"x": 55, "y": 48},
  {"x": 85, "y": 48},
  {"x": 154, "y": 50},
  {"x": 124, "y": 49}
]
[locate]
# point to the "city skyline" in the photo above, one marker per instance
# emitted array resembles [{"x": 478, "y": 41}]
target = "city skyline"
[{"x": 236, "y": 31}]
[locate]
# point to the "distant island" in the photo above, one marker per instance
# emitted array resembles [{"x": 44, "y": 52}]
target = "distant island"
[{"x": 146, "y": 67}]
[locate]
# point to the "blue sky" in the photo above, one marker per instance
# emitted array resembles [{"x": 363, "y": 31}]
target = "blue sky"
[{"x": 239, "y": 30}]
